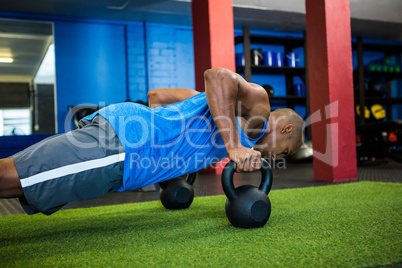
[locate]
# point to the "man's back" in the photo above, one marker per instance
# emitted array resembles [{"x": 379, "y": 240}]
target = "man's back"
[{"x": 166, "y": 142}]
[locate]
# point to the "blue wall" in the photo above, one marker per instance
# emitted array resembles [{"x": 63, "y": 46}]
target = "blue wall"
[
  {"x": 170, "y": 56},
  {"x": 159, "y": 56},
  {"x": 136, "y": 57},
  {"x": 90, "y": 65}
]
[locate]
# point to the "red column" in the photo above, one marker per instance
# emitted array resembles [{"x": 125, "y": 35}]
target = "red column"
[
  {"x": 213, "y": 37},
  {"x": 213, "y": 42},
  {"x": 331, "y": 89}
]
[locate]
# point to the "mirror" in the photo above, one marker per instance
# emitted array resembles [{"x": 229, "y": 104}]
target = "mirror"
[{"x": 27, "y": 78}]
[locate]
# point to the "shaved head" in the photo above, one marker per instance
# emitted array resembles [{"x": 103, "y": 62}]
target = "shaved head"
[
  {"x": 298, "y": 123},
  {"x": 285, "y": 135}
]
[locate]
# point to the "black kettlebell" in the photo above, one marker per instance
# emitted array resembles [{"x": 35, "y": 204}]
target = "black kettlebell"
[
  {"x": 247, "y": 206},
  {"x": 177, "y": 193}
]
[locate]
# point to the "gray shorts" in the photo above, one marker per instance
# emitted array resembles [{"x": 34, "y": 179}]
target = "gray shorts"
[{"x": 82, "y": 164}]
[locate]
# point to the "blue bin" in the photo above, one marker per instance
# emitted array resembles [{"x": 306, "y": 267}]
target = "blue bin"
[
  {"x": 270, "y": 58},
  {"x": 279, "y": 59},
  {"x": 292, "y": 60},
  {"x": 299, "y": 90},
  {"x": 239, "y": 59}
]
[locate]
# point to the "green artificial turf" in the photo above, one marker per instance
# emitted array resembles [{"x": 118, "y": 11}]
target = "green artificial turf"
[{"x": 348, "y": 225}]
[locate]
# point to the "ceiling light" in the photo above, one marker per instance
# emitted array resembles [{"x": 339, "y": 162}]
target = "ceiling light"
[{"x": 6, "y": 60}]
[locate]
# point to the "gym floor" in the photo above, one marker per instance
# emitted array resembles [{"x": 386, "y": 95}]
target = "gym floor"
[{"x": 297, "y": 175}]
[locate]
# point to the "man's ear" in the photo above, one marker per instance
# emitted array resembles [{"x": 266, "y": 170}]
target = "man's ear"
[{"x": 287, "y": 129}]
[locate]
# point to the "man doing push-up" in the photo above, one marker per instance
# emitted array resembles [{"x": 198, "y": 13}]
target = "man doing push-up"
[{"x": 127, "y": 146}]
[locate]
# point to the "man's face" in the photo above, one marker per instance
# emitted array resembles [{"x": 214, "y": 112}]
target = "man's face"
[{"x": 275, "y": 146}]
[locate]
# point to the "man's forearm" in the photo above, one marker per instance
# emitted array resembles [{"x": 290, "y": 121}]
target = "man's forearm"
[{"x": 225, "y": 90}]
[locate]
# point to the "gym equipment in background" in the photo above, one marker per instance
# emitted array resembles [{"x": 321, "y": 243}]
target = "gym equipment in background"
[
  {"x": 383, "y": 65},
  {"x": 247, "y": 206},
  {"x": 292, "y": 60},
  {"x": 79, "y": 112},
  {"x": 239, "y": 57},
  {"x": 279, "y": 59},
  {"x": 377, "y": 88},
  {"x": 299, "y": 90},
  {"x": 377, "y": 111},
  {"x": 304, "y": 154},
  {"x": 377, "y": 141},
  {"x": 256, "y": 57},
  {"x": 373, "y": 113},
  {"x": 366, "y": 111},
  {"x": 269, "y": 89},
  {"x": 177, "y": 193},
  {"x": 373, "y": 88},
  {"x": 269, "y": 58}
]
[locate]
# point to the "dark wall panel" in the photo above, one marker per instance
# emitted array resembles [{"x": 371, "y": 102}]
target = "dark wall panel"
[
  {"x": 14, "y": 95},
  {"x": 44, "y": 120}
]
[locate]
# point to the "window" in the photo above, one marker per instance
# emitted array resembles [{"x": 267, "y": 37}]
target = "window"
[{"x": 15, "y": 122}]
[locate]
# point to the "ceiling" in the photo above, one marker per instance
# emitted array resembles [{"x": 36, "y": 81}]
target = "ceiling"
[{"x": 377, "y": 19}]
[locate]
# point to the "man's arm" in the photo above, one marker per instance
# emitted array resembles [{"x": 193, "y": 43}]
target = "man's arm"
[
  {"x": 229, "y": 95},
  {"x": 165, "y": 96}
]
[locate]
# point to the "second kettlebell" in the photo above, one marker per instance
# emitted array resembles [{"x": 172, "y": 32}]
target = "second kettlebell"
[
  {"x": 177, "y": 193},
  {"x": 247, "y": 206}
]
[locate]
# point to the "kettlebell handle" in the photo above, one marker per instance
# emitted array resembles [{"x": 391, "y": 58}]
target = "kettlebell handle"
[
  {"x": 190, "y": 180},
  {"x": 227, "y": 179}
]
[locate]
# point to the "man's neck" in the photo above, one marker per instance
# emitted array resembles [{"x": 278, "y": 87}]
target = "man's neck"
[{"x": 253, "y": 132}]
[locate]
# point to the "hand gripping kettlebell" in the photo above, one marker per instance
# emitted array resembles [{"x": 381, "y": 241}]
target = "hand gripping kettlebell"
[
  {"x": 247, "y": 206},
  {"x": 177, "y": 193}
]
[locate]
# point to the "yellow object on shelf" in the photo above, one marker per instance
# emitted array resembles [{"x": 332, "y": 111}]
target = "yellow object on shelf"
[
  {"x": 366, "y": 111},
  {"x": 377, "y": 111}
]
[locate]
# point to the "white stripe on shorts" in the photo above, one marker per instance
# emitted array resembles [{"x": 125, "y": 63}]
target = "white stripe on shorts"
[{"x": 72, "y": 169}]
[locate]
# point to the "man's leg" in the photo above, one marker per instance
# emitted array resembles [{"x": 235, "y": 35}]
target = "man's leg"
[
  {"x": 10, "y": 184},
  {"x": 82, "y": 164}
]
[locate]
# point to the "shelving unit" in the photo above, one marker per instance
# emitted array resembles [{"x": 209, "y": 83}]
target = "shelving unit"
[
  {"x": 360, "y": 74},
  {"x": 297, "y": 71},
  {"x": 377, "y": 74},
  {"x": 290, "y": 99},
  {"x": 289, "y": 43}
]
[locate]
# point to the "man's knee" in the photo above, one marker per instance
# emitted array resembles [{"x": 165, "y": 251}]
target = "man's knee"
[{"x": 10, "y": 184}]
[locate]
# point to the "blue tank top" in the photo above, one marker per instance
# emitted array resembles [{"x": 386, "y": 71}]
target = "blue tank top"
[{"x": 167, "y": 142}]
